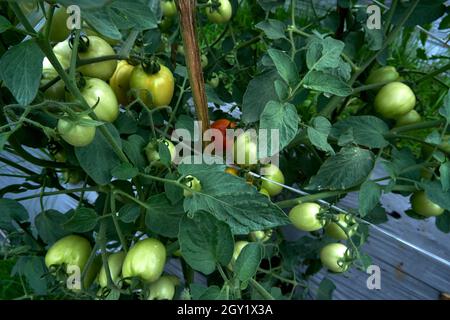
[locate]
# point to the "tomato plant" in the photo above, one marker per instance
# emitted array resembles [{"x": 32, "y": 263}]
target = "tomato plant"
[{"x": 106, "y": 128}]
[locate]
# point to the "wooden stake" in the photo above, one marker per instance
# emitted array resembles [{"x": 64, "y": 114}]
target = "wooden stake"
[{"x": 186, "y": 10}]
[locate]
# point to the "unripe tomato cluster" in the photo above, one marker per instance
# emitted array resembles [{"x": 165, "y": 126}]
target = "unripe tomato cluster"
[
  {"x": 144, "y": 261},
  {"x": 309, "y": 217}
]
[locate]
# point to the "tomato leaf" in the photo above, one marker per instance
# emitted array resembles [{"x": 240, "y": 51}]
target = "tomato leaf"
[
  {"x": 377, "y": 215},
  {"x": 273, "y": 29},
  {"x": 436, "y": 194},
  {"x": 33, "y": 269},
  {"x": 48, "y": 224},
  {"x": 82, "y": 220},
  {"x": 325, "y": 53},
  {"x": 11, "y": 211},
  {"x": 129, "y": 212},
  {"x": 173, "y": 193},
  {"x": 318, "y": 134},
  {"x": 133, "y": 148},
  {"x": 348, "y": 168},
  {"x": 4, "y": 24},
  {"x": 260, "y": 90},
  {"x": 443, "y": 222},
  {"x": 163, "y": 217},
  {"x": 199, "y": 292},
  {"x": 286, "y": 67},
  {"x": 98, "y": 158},
  {"x": 124, "y": 171},
  {"x": 248, "y": 261},
  {"x": 445, "y": 109},
  {"x": 369, "y": 197},
  {"x": 444, "y": 171},
  {"x": 205, "y": 242},
  {"x": 367, "y": 131},
  {"x": 324, "y": 82},
  {"x": 21, "y": 69},
  {"x": 231, "y": 199},
  {"x": 282, "y": 118},
  {"x": 325, "y": 290}
]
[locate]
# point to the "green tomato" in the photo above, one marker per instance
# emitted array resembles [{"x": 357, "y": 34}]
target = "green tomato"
[
  {"x": 72, "y": 176},
  {"x": 62, "y": 52},
  {"x": 152, "y": 150},
  {"x": 163, "y": 288},
  {"x": 168, "y": 8},
  {"x": 115, "y": 262},
  {"x": 260, "y": 236},
  {"x": 91, "y": 32},
  {"x": 304, "y": 216},
  {"x": 333, "y": 257},
  {"x": 160, "y": 85},
  {"x": 238, "y": 246},
  {"x": 219, "y": 15},
  {"x": 245, "y": 150},
  {"x": 58, "y": 28},
  {"x": 145, "y": 260},
  {"x": 333, "y": 230},
  {"x": 408, "y": 118},
  {"x": 70, "y": 251},
  {"x": 193, "y": 184},
  {"x": 273, "y": 173},
  {"x": 100, "y": 95},
  {"x": 204, "y": 61},
  {"x": 98, "y": 48},
  {"x": 383, "y": 74},
  {"x": 76, "y": 134},
  {"x": 214, "y": 81},
  {"x": 422, "y": 205},
  {"x": 394, "y": 100},
  {"x": 264, "y": 192}
]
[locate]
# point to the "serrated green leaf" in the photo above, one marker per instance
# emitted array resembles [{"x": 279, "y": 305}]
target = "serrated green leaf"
[
  {"x": 231, "y": 199},
  {"x": 82, "y": 220},
  {"x": 273, "y": 29},
  {"x": 444, "y": 171},
  {"x": 443, "y": 222},
  {"x": 324, "y": 53},
  {"x": 367, "y": 131},
  {"x": 260, "y": 90},
  {"x": 21, "y": 69},
  {"x": 348, "y": 168},
  {"x": 129, "y": 212},
  {"x": 318, "y": 134},
  {"x": 205, "y": 242},
  {"x": 377, "y": 215},
  {"x": 436, "y": 194},
  {"x": 162, "y": 217},
  {"x": 325, "y": 290},
  {"x": 4, "y": 24},
  {"x": 445, "y": 110},
  {"x": 98, "y": 159},
  {"x": 285, "y": 66},
  {"x": 248, "y": 261},
  {"x": 369, "y": 197},
  {"x": 49, "y": 225},
  {"x": 281, "y": 117},
  {"x": 327, "y": 83},
  {"x": 134, "y": 150},
  {"x": 124, "y": 171},
  {"x": 11, "y": 211}
]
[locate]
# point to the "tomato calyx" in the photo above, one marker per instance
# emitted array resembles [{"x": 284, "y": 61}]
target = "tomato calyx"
[
  {"x": 192, "y": 185},
  {"x": 151, "y": 65},
  {"x": 83, "y": 44}
]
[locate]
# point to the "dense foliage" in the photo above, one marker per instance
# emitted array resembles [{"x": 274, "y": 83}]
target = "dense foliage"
[{"x": 93, "y": 110}]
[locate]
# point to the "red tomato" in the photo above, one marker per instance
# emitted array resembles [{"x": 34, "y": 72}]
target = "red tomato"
[{"x": 222, "y": 125}]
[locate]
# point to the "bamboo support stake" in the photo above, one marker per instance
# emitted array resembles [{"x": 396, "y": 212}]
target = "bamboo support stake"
[{"x": 186, "y": 11}]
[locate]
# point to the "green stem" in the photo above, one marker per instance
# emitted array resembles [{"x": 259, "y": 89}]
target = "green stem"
[
  {"x": 54, "y": 193},
  {"x": 263, "y": 292},
  {"x": 419, "y": 126},
  {"x": 270, "y": 273},
  {"x": 222, "y": 273},
  {"x": 434, "y": 73},
  {"x": 123, "y": 242},
  {"x": 122, "y": 193},
  {"x": 74, "y": 56}
]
